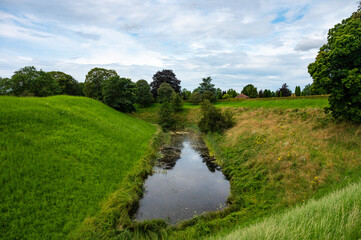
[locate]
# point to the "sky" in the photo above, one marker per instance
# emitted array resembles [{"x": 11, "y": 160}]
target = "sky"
[{"x": 235, "y": 42}]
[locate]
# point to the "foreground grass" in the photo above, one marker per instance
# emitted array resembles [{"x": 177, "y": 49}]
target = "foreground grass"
[
  {"x": 60, "y": 158},
  {"x": 335, "y": 216}
]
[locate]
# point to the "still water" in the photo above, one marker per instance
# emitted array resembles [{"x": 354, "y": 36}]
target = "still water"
[{"x": 185, "y": 182}]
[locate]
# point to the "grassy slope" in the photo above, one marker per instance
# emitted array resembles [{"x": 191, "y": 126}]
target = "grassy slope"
[
  {"x": 335, "y": 216},
  {"x": 60, "y": 158}
]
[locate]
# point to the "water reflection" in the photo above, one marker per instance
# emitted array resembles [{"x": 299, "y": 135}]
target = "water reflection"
[{"x": 186, "y": 181}]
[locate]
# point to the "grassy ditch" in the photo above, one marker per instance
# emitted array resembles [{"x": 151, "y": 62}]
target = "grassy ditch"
[{"x": 60, "y": 158}]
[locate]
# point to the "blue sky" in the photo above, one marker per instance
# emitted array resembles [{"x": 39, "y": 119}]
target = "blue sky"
[{"x": 265, "y": 43}]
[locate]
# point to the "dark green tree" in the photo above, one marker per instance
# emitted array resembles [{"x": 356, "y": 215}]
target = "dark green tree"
[
  {"x": 337, "y": 69},
  {"x": 44, "y": 85},
  {"x": 186, "y": 94},
  {"x": 208, "y": 95},
  {"x": 284, "y": 91},
  {"x": 213, "y": 120},
  {"x": 119, "y": 93},
  {"x": 143, "y": 95},
  {"x": 206, "y": 85},
  {"x": 267, "y": 93},
  {"x": 94, "y": 82},
  {"x": 166, "y": 116},
  {"x": 196, "y": 98},
  {"x": 306, "y": 90},
  {"x": 166, "y": 76},
  {"x": 5, "y": 86},
  {"x": 219, "y": 93},
  {"x": 250, "y": 91},
  {"x": 298, "y": 91},
  {"x": 176, "y": 102},
  {"x": 21, "y": 81},
  {"x": 164, "y": 92},
  {"x": 67, "y": 83}
]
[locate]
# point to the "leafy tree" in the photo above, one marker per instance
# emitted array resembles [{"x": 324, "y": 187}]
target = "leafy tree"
[
  {"x": 232, "y": 93},
  {"x": 143, "y": 95},
  {"x": 337, "y": 69},
  {"x": 206, "y": 85},
  {"x": 306, "y": 90},
  {"x": 165, "y": 92},
  {"x": 176, "y": 102},
  {"x": 226, "y": 96},
  {"x": 166, "y": 76},
  {"x": 250, "y": 91},
  {"x": 94, "y": 82},
  {"x": 219, "y": 93},
  {"x": 260, "y": 93},
  {"x": 68, "y": 85},
  {"x": 267, "y": 93},
  {"x": 186, "y": 94},
  {"x": 285, "y": 91},
  {"x": 22, "y": 80},
  {"x": 196, "y": 98},
  {"x": 5, "y": 86},
  {"x": 213, "y": 120},
  {"x": 298, "y": 91},
  {"x": 208, "y": 95},
  {"x": 166, "y": 116},
  {"x": 44, "y": 85},
  {"x": 119, "y": 93}
]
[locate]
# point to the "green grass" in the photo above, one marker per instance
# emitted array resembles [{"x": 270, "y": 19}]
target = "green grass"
[
  {"x": 299, "y": 102},
  {"x": 335, "y": 216},
  {"x": 61, "y": 157}
]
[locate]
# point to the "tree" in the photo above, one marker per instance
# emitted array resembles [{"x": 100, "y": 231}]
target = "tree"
[
  {"x": 164, "y": 76},
  {"x": 166, "y": 116},
  {"x": 298, "y": 91},
  {"x": 250, "y": 91},
  {"x": 213, "y": 120},
  {"x": 176, "y": 102},
  {"x": 143, "y": 95},
  {"x": 285, "y": 91},
  {"x": 196, "y": 98},
  {"x": 119, "y": 93},
  {"x": 68, "y": 85},
  {"x": 232, "y": 93},
  {"x": 260, "y": 93},
  {"x": 94, "y": 81},
  {"x": 219, "y": 93},
  {"x": 306, "y": 90},
  {"x": 208, "y": 95},
  {"x": 206, "y": 85},
  {"x": 5, "y": 86},
  {"x": 337, "y": 69},
  {"x": 22, "y": 79},
  {"x": 44, "y": 85},
  {"x": 267, "y": 93},
  {"x": 186, "y": 94},
  {"x": 164, "y": 92}
]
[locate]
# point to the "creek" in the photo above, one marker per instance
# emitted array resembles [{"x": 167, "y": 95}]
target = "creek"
[{"x": 185, "y": 182}]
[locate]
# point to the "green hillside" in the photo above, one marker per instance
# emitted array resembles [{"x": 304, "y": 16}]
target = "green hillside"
[{"x": 60, "y": 158}]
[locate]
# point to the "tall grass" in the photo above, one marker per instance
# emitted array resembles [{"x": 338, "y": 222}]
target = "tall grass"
[
  {"x": 335, "y": 216},
  {"x": 60, "y": 158}
]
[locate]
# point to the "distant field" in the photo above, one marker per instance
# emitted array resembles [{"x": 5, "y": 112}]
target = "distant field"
[
  {"x": 272, "y": 103},
  {"x": 60, "y": 158}
]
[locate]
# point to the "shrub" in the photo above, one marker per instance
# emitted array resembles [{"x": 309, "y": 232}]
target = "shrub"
[
  {"x": 208, "y": 95},
  {"x": 166, "y": 116},
  {"x": 165, "y": 92},
  {"x": 176, "y": 102},
  {"x": 196, "y": 98}
]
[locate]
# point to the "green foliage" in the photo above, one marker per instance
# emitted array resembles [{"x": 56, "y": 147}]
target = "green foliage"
[
  {"x": 67, "y": 84},
  {"x": 250, "y": 91},
  {"x": 284, "y": 91},
  {"x": 267, "y": 93},
  {"x": 226, "y": 96},
  {"x": 94, "y": 82},
  {"x": 208, "y": 95},
  {"x": 5, "y": 86},
  {"x": 176, "y": 102},
  {"x": 143, "y": 95},
  {"x": 298, "y": 91},
  {"x": 119, "y": 93},
  {"x": 233, "y": 93},
  {"x": 206, "y": 85},
  {"x": 164, "y": 76},
  {"x": 219, "y": 93},
  {"x": 44, "y": 85},
  {"x": 166, "y": 116},
  {"x": 186, "y": 94},
  {"x": 306, "y": 90},
  {"x": 196, "y": 98},
  {"x": 213, "y": 120},
  {"x": 164, "y": 92},
  {"x": 337, "y": 69},
  {"x": 61, "y": 157}
]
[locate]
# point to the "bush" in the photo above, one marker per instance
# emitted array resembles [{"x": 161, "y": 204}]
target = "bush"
[
  {"x": 166, "y": 116},
  {"x": 165, "y": 92},
  {"x": 208, "y": 95},
  {"x": 176, "y": 102},
  {"x": 196, "y": 98},
  {"x": 213, "y": 120}
]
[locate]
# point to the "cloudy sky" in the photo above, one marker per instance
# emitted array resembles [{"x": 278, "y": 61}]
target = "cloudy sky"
[{"x": 236, "y": 42}]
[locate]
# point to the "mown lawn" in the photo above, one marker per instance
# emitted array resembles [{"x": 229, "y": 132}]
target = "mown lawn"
[{"x": 60, "y": 158}]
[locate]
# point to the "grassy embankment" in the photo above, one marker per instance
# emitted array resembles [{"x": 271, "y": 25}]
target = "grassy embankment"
[
  {"x": 276, "y": 158},
  {"x": 61, "y": 158}
]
